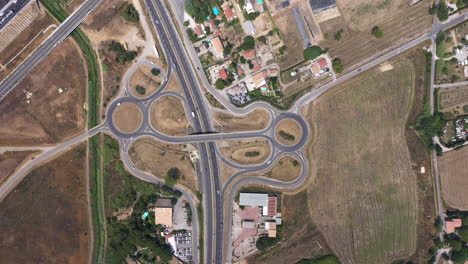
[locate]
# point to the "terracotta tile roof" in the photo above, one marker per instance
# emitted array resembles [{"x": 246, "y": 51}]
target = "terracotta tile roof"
[
  {"x": 229, "y": 14},
  {"x": 198, "y": 30},
  {"x": 322, "y": 63},
  {"x": 249, "y": 54},
  {"x": 223, "y": 74},
  {"x": 214, "y": 28},
  {"x": 450, "y": 225},
  {"x": 240, "y": 71},
  {"x": 272, "y": 206}
]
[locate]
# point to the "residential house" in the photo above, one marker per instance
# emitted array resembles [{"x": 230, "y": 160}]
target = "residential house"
[
  {"x": 228, "y": 11},
  {"x": 259, "y": 81},
  {"x": 214, "y": 28},
  {"x": 223, "y": 74},
  {"x": 450, "y": 225},
  {"x": 199, "y": 30},
  {"x": 248, "y": 7},
  {"x": 218, "y": 48}
]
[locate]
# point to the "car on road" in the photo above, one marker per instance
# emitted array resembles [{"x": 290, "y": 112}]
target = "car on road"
[{"x": 193, "y": 114}]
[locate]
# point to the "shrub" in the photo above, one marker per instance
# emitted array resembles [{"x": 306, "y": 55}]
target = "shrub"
[
  {"x": 130, "y": 14},
  {"x": 266, "y": 242},
  {"x": 287, "y": 136},
  {"x": 186, "y": 23},
  {"x": 312, "y": 52},
  {"x": 191, "y": 34},
  {"x": 442, "y": 11},
  {"x": 295, "y": 163},
  {"x": 252, "y": 153},
  {"x": 377, "y": 32},
  {"x": 337, "y": 65},
  {"x": 172, "y": 176},
  {"x": 262, "y": 39},
  {"x": 155, "y": 71},
  {"x": 337, "y": 35},
  {"x": 220, "y": 84},
  {"x": 251, "y": 16},
  {"x": 123, "y": 55},
  {"x": 140, "y": 89},
  {"x": 248, "y": 43}
]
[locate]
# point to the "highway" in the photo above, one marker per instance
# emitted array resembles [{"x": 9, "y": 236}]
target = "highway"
[{"x": 179, "y": 61}]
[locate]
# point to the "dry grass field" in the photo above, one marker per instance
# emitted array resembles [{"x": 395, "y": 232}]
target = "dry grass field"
[
  {"x": 364, "y": 195},
  {"x": 168, "y": 116},
  {"x": 45, "y": 218},
  {"x": 255, "y": 120},
  {"x": 157, "y": 158},
  {"x": 173, "y": 84},
  {"x": 246, "y": 151},
  {"x": 399, "y": 23},
  {"x": 453, "y": 100},
  {"x": 50, "y": 116},
  {"x": 301, "y": 238},
  {"x": 10, "y": 160},
  {"x": 127, "y": 118},
  {"x": 287, "y": 169},
  {"x": 453, "y": 168},
  {"x": 288, "y": 132},
  {"x": 144, "y": 78}
]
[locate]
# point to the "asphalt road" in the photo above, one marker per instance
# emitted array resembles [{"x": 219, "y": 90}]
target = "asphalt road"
[
  {"x": 208, "y": 167},
  {"x": 62, "y": 31}
]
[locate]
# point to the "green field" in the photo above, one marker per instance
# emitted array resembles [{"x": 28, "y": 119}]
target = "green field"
[{"x": 364, "y": 198}]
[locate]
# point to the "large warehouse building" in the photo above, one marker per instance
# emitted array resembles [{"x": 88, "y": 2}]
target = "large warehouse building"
[{"x": 321, "y": 5}]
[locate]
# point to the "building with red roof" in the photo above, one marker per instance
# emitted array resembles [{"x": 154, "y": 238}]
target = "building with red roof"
[
  {"x": 450, "y": 225},
  {"x": 214, "y": 29},
  {"x": 249, "y": 54},
  {"x": 198, "y": 29},
  {"x": 272, "y": 206},
  {"x": 223, "y": 74},
  {"x": 228, "y": 11},
  {"x": 322, "y": 63}
]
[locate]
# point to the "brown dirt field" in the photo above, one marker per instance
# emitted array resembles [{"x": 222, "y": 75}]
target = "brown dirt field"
[
  {"x": 285, "y": 170},
  {"x": 173, "y": 85},
  {"x": 291, "y": 127},
  {"x": 363, "y": 146},
  {"x": 168, "y": 116},
  {"x": 63, "y": 116},
  {"x": 157, "y": 158},
  {"x": 10, "y": 161},
  {"x": 286, "y": 23},
  {"x": 398, "y": 27},
  {"x": 127, "y": 118},
  {"x": 226, "y": 171},
  {"x": 145, "y": 78},
  {"x": 235, "y": 150},
  {"x": 453, "y": 170},
  {"x": 301, "y": 237},
  {"x": 255, "y": 120},
  {"x": 453, "y": 99},
  {"x": 47, "y": 214}
]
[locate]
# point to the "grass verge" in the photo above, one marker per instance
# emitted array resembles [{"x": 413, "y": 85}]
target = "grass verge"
[{"x": 201, "y": 232}]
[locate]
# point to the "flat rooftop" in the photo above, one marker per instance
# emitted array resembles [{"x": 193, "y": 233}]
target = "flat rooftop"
[{"x": 321, "y": 5}]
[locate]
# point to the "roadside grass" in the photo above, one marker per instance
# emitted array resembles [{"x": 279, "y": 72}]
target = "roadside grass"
[{"x": 201, "y": 234}]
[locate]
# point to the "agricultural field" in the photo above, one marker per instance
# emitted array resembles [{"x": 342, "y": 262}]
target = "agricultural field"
[
  {"x": 453, "y": 169},
  {"x": 127, "y": 118},
  {"x": 53, "y": 223},
  {"x": 288, "y": 132},
  {"x": 246, "y": 151},
  {"x": 362, "y": 145},
  {"x": 399, "y": 22},
  {"x": 157, "y": 158},
  {"x": 255, "y": 120},
  {"x": 11, "y": 160},
  {"x": 18, "y": 40},
  {"x": 168, "y": 116},
  {"x": 301, "y": 238},
  {"x": 23, "y": 109},
  {"x": 453, "y": 101},
  {"x": 143, "y": 83}
]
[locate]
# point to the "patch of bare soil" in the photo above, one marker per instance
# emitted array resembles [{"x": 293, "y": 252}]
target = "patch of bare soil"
[
  {"x": 453, "y": 170},
  {"x": 144, "y": 78},
  {"x": 255, "y": 120},
  {"x": 50, "y": 116},
  {"x": 45, "y": 218},
  {"x": 246, "y": 151},
  {"x": 288, "y": 132},
  {"x": 11, "y": 160},
  {"x": 127, "y": 118},
  {"x": 168, "y": 116},
  {"x": 157, "y": 158}
]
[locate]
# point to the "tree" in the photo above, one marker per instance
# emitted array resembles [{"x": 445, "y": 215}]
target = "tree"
[
  {"x": 377, "y": 32},
  {"x": 337, "y": 35},
  {"x": 186, "y": 23},
  {"x": 243, "y": 60},
  {"x": 220, "y": 84},
  {"x": 442, "y": 11},
  {"x": 262, "y": 39},
  {"x": 312, "y": 52},
  {"x": 251, "y": 16},
  {"x": 172, "y": 176},
  {"x": 460, "y": 256},
  {"x": 265, "y": 242},
  {"x": 155, "y": 71},
  {"x": 337, "y": 65},
  {"x": 248, "y": 43},
  {"x": 191, "y": 34},
  {"x": 140, "y": 89},
  {"x": 130, "y": 14}
]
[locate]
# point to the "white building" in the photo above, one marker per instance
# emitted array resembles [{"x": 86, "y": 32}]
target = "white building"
[{"x": 255, "y": 200}]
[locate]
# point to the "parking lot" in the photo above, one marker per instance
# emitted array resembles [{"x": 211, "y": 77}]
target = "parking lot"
[{"x": 184, "y": 246}]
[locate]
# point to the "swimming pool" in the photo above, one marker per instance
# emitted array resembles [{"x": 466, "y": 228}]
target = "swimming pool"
[{"x": 215, "y": 11}]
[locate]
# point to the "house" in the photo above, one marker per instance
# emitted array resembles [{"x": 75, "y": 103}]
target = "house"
[
  {"x": 213, "y": 27},
  {"x": 249, "y": 54},
  {"x": 256, "y": 65},
  {"x": 249, "y": 27},
  {"x": 218, "y": 48},
  {"x": 450, "y": 225},
  {"x": 198, "y": 29},
  {"x": 228, "y": 12},
  {"x": 271, "y": 227},
  {"x": 223, "y": 74},
  {"x": 315, "y": 68},
  {"x": 273, "y": 72},
  {"x": 248, "y": 7},
  {"x": 259, "y": 81},
  {"x": 240, "y": 71},
  {"x": 163, "y": 212},
  {"x": 322, "y": 63}
]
